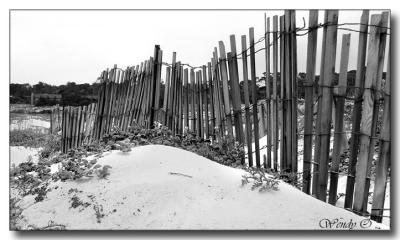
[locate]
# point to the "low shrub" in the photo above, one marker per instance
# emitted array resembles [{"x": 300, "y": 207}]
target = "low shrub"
[{"x": 15, "y": 214}]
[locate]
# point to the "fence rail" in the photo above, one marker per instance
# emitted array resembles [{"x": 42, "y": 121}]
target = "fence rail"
[{"x": 207, "y": 100}]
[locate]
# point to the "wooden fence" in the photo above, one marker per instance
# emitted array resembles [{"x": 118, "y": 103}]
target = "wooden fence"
[
  {"x": 206, "y": 101},
  {"x": 77, "y": 126}
]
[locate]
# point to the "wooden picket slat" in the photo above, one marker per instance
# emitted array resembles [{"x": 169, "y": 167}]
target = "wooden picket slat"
[
  {"x": 219, "y": 110},
  {"x": 74, "y": 126},
  {"x": 225, "y": 88},
  {"x": 236, "y": 100},
  {"x": 288, "y": 98},
  {"x": 200, "y": 115},
  {"x": 51, "y": 121},
  {"x": 326, "y": 101},
  {"x": 68, "y": 128},
  {"x": 293, "y": 57},
  {"x": 309, "y": 100},
  {"x": 247, "y": 102},
  {"x": 205, "y": 103},
  {"x": 317, "y": 148},
  {"x": 137, "y": 90},
  {"x": 374, "y": 127},
  {"x": 171, "y": 93},
  {"x": 91, "y": 129},
  {"x": 81, "y": 124},
  {"x": 212, "y": 100},
  {"x": 282, "y": 150},
  {"x": 77, "y": 126},
  {"x": 180, "y": 99},
  {"x": 63, "y": 130},
  {"x": 274, "y": 128},
  {"x": 158, "y": 64},
  {"x": 193, "y": 101},
  {"x": 235, "y": 93},
  {"x": 366, "y": 126},
  {"x": 219, "y": 129},
  {"x": 166, "y": 94},
  {"x": 186, "y": 97},
  {"x": 340, "y": 94},
  {"x": 270, "y": 115},
  {"x": 254, "y": 95},
  {"x": 219, "y": 93},
  {"x": 383, "y": 163}
]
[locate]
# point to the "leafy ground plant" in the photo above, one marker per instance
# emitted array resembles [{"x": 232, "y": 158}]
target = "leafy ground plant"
[
  {"x": 76, "y": 202},
  {"x": 225, "y": 152},
  {"x": 15, "y": 213},
  {"x": 260, "y": 180},
  {"x": 33, "y": 178}
]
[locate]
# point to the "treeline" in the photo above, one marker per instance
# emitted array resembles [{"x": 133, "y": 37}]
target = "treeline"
[
  {"x": 72, "y": 94},
  {"x": 79, "y": 94}
]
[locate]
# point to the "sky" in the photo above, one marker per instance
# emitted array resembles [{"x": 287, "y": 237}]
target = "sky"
[{"x": 60, "y": 46}]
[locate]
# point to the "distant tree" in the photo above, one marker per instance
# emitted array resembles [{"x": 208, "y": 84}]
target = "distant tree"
[
  {"x": 20, "y": 93},
  {"x": 45, "y": 102},
  {"x": 72, "y": 94}
]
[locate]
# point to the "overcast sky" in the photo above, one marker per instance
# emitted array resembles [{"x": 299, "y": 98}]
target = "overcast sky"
[{"x": 60, "y": 46}]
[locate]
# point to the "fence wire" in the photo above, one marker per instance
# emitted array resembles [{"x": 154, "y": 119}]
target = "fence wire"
[{"x": 303, "y": 29}]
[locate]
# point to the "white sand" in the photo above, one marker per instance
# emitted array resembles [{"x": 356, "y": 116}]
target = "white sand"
[
  {"x": 19, "y": 154},
  {"x": 141, "y": 193},
  {"x": 38, "y": 122}
]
